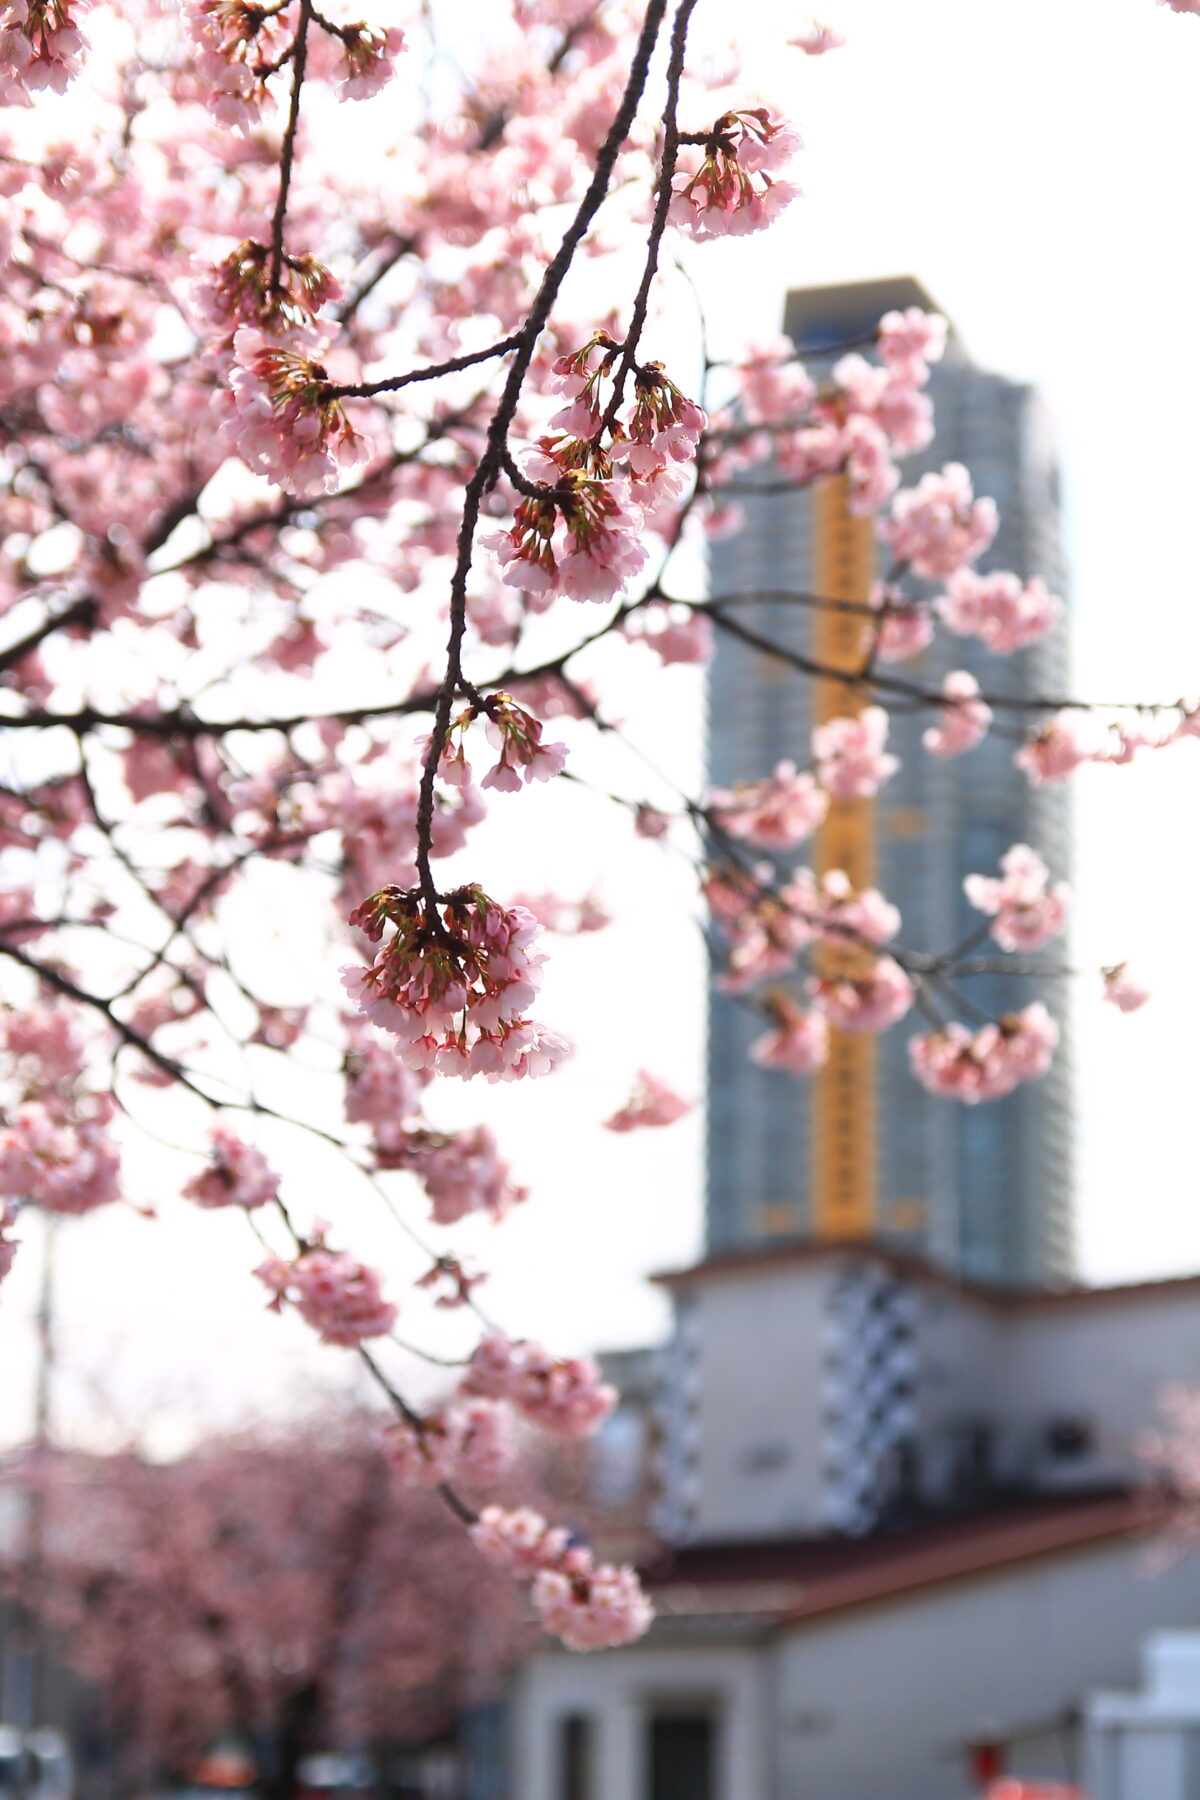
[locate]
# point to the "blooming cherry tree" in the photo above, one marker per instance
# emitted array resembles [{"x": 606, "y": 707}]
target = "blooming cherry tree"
[{"x": 270, "y": 417}]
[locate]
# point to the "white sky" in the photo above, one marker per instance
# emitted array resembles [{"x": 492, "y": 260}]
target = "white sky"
[{"x": 1033, "y": 163}]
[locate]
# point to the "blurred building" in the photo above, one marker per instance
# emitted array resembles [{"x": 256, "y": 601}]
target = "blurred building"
[
  {"x": 1148, "y": 1743},
  {"x": 904, "y": 1536},
  {"x": 861, "y": 1151}
]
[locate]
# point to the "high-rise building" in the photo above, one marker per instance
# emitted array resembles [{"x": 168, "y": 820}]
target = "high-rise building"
[{"x": 861, "y": 1151}]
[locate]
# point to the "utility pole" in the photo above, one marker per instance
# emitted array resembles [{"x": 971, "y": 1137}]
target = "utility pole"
[{"x": 29, "y": 1635}]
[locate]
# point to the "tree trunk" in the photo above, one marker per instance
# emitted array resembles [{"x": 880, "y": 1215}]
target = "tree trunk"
[{"x": 294, "y": 1741}]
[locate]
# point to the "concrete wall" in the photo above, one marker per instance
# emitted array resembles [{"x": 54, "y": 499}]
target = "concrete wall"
[
  {"x": 1106, "y": 1361},
  {"x": 879, "y": 1704},
  {"x": 758, "y": 1397}
]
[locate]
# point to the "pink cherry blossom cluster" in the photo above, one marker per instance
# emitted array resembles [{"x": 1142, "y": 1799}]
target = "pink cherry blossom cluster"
[
  {"x": 903, "y": 627},
  {"x": 368, "y": 59},
  {"x": 963, "y": 718},
  {"x": 773, "y": 814},
  {"x": 238, "y": 1175},
  {"x": 1025, "y": 913},
  {"x": 566, "y": 918},
  {"x": 463, "y": 1173},
  {"x": 381, "y": 1093},
  {"x": 453, "y": 984},
  {"x": 736, "y": 188},
  {"x": 657, "y": 440},
  {"x": 40, "y": 47},
  {"x": 8, "y": 1245},
  {"x": 286, "y": 424},
  {"x": 1055, "y": 750},
  {"x": 817, "y": 40},
  {"x": 1005, "y": 612},
  {"x": 238, "y": 291},
  {"x": 839, "y": 912},
  {"x": 765, "y": 930},
  {"x": 467, "y": 1441},
  {"x": 959, "y": 1064},
  {"x": 55, "y": 1148},
  {"x": 66, "y": 1166},
  {"x": 798, "y": 1041},
  {"x": 870, "y": 1001},
  {"x": 1071, "y": 738},
  {"x": 340, "y": 1298},
  {"x": 589, "y": 1606},
  {"x": 652, "y": 1102},
  {"x": 516, "y": 734},
  {"x": 851, "y": 761},
  {"x": 676, "y": 634},
  {"x": 582, "y": 539},
  {"x": 564, "y": 1395},
  {"x": 1122, "y": 990},
  {"x": 856, "y": 423},
  {"x": 236, "y": 42},
  {"x": 938, "y": 527}
]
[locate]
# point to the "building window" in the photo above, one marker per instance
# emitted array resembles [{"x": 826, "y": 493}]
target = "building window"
[
  {"x": 576, "y": 1755},
  {"x": 682, "y": 1749}
]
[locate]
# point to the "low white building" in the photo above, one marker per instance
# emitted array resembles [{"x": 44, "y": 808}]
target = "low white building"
[
  {"x": 901, "y": 1519},
  {"x": 1148, "y": 1743}
]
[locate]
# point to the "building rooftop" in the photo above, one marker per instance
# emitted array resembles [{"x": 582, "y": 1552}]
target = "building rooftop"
[
  {"x": 782, "y": 1253},
  {"x": 790, "y": 1581}
]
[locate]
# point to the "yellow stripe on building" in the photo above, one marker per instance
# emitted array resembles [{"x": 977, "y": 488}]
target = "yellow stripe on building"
[{"x": 844, "y": 1194}]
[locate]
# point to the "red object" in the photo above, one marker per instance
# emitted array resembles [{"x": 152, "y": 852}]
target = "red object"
[
  {"x": 1011, "y": 1789},
  {"x": 987, "y": 1762}
]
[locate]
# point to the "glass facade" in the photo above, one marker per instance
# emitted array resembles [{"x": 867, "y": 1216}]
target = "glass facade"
[{"x": 985, "y": 1191}]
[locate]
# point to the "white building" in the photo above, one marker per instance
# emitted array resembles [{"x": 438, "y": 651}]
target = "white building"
[
  {"x": 902, "y": 1518},
  {"x": 1149, "y": 1743}
]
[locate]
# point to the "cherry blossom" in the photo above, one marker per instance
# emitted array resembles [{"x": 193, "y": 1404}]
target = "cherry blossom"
[
  {"x": 798, "y": 1041},
  {"x": 651, "y": 1103},
  {"x": 774, "y": 814},
  {"x": 1006, "y": 613},
  {"x": 675, "y": 634},
  {"x": 817, "y": 40},
  {"x": 868, "y": 1002},
  {"x": 837, "y": 911},
  {"x": 585, "y": 541},
  {"x": 340, "y": 1298},
  {"x": 1054, "y": 751},
  {"x": 851, "y": 761},
  {"x": 65, "y": 1166},
  {"x": 286, "y": 424},
  {"x": 368, "y": 60},
  {"x": 589, "y": 1606},
  {"x": 40, "y": 47},
  {"x": 463, "y": 1172},
  {"x": 518, "y": 737},
  {"x": 595, "y": 1610},
  {"x": 959, "y": 1064},
  {"x": 904, "y": 629},
  {"x": 912, "y": 339},
  {"x": 453, "y": 987},
  {"x": 239, "y": 1175},
  {"x": 963, "y": 720},
  {"x": 562, "y": 1395},
  {"x": 723, "y": 197},
  {"x": 939, "y": 526},
  {"x": 1122, "y": 990},
  {"x": 468, "y": 1441},
  {"x": 1025, "y": 913}
]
